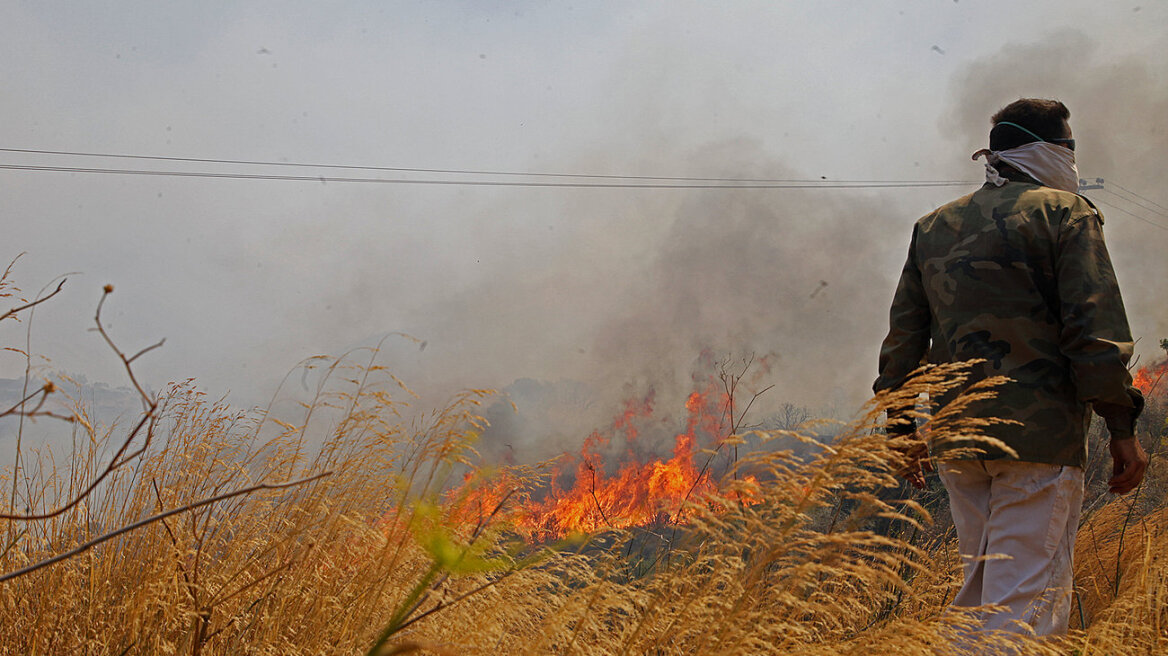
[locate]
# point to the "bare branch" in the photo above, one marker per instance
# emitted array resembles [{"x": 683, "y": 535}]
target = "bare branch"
[
  {"x": 154, "y": 518},
  {"x": 447, "y": 604},
  {"x": 40, "y": 300},
  {"x": 13, "y": 543},
  {"x": 117, "y": 461},
  {"x": 592, "y": 470},
  {"x": 434, "y": 585},
  {"x": 27, "y": 368},
  {"x": 752, "y": 400},
  {"x": 147, "y": 402},
  {"x": 146, "y": 350},
  {"x": 121, "y": 457},
  {"x": 43, "y": 391},
  {"x": 50, "y": 414},
  {"x": 260, "y": 579}
]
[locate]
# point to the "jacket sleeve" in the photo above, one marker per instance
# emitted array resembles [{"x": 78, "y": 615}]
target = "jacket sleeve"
[
  {"x": 908, "y": 326},
  {"x": 1094, "y": 337}
]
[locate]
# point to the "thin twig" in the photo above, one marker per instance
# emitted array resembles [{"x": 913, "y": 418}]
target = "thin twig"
[
  {"x": 260, "y": 579},
  {"x": 154, "y": 518},
  {"x": 115, "y": 463},
  {"x": 148, "y": 404},
  {"x": 447, "y": 604},
  {"x": 1123, "y": 531},
  {"x": 422, "y": 590},
  {"x": 34, "y": 303},
  {"x": 43, "y": 391},
  {"x": 1098, "y": 558},
  {"x": 27, "y": 374},
  {"x": 120, "y": 457},
  {"x": 146, "y": 350},
  {"x": 177, "y": 553},
  {"x": 751, "y": 403},
  {"x": 592, "y": 470}
]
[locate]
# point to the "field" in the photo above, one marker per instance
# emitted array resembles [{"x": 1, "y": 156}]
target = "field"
[{"x": 360, "y": 526}]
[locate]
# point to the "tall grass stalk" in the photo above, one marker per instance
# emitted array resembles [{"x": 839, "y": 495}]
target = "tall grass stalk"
[{"x": 392, "y": 553}]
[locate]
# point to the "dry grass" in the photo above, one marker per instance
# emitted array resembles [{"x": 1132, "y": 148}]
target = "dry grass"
[
  {"x": 375, "y": 552},
  {"x": 313, "y": 569}
]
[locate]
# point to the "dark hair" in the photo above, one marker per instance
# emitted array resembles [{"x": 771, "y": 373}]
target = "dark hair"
[{"x": 1042, "y": 117}]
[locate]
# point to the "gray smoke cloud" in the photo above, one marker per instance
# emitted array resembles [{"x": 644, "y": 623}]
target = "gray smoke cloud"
[
  {"x": 571, "y": 299},
  {"x": 1114, "y": 102},
  {"x": 807, "y": 276},
  {"x": 800, "y": 279}
]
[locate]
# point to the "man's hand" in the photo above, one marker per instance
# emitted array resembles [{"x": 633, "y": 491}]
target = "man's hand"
[
  {"x": 917, "y": 462},
  {"x": 1128, "y": 464}
]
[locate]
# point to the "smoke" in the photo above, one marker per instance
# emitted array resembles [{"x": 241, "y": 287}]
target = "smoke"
[
  {"x": 789, "y": 274},
  {"x": 798, "y": 281},
  {"x": 806, "y": 276},
  {"x": 1115, "y": 101},
  {"x": 587, "y": 296}
]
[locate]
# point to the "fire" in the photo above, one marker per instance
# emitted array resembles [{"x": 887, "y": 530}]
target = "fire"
[
  {"x": 1148, "y": 379},
  {"x": 640, "y": 492},
  {"x": 589, "y": 491},
  {"x": 643, "y": 490}
]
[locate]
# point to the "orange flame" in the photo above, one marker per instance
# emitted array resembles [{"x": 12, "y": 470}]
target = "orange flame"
[
  {"x": 1148, "y": 379},
  {"x": 639, "y": 493},
  {"x": 642, "y": 491}
]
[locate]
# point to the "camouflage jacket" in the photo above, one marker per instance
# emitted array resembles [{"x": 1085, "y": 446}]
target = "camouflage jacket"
[{"x": 1018, "y": 276}]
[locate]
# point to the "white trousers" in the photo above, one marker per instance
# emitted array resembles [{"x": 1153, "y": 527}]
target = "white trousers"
[{"x": 1016, "y": 525}]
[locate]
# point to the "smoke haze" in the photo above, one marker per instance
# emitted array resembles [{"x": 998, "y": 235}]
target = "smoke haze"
[{"x": 583, "y": 296}]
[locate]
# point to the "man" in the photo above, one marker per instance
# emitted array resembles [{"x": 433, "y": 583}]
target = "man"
[{"x": 1016, "y": 275}]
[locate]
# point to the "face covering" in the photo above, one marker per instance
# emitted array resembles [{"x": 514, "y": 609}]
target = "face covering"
[{"x": 1050, "y": 164}]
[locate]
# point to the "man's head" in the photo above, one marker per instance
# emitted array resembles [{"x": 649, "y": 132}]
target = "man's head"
[{"x": 1028, "y": 120}]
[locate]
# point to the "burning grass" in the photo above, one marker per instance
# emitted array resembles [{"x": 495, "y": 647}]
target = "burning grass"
[{"x": 390, "y": 537}]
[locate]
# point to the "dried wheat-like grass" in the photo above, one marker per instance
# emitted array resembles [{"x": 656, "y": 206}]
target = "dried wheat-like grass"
[
  {"x": 807, "y": 552},
  {"x": 315, "y": 569}
]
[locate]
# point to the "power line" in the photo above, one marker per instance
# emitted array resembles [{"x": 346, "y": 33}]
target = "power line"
[
  {"x": 400, "y": 169},
  {"x": 1137, "y": 195},
  {"x": 634, "y": 181},
  {"x": 1116, "y": 207},
  {"x": 1133, "y": 202},
  {"x": 793, "y": 184}
]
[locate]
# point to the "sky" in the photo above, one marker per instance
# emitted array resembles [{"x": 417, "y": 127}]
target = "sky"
[{"x": 610, "y": 292}]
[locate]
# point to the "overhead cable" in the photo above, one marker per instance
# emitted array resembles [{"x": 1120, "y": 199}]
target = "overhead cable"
[
  {"x": 793, "y": 184},
  {"x": 1151, "y": 205},
  {"x": 604, "y": 181},
  {"x": 1138, "y": 196},
  {"x": 402, "y": 169},
  {"x": 1145, "y": 220}
]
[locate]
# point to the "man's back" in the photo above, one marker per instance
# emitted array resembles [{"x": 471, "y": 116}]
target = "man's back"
[{"x": 1017, "y": 276}]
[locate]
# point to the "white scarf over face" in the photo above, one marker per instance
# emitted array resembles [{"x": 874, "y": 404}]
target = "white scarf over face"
[{"x": 1050, "y": 164}]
